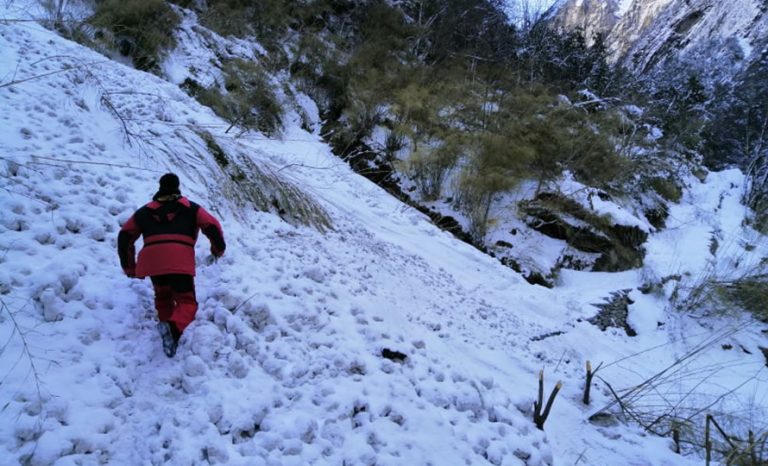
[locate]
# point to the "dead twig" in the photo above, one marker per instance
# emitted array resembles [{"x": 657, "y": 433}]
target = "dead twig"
[
  {"x": 588, "y": 382},
  {"x": 540, "y": 417},
  {"x": 17, "y": 330},
  {"x": 88, "y": 162}
]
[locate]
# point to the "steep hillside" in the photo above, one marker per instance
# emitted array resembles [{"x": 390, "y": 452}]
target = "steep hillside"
[
  {"x": 284, "y": 363},
  {"x": 341, "y": 326}
]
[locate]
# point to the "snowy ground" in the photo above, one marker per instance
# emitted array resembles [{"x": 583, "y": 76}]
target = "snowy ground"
[{"x": 283, "y": 364}]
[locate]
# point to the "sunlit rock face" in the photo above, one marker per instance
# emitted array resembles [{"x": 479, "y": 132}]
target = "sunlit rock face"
[
  {"x": 708, "y": 33},
  {"x": 592, "y": 17},
  {"x": 636, "y": 17},
  {"x": 721, "y": 37}
]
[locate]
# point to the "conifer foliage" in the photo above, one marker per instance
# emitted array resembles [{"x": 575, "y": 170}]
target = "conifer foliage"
[{"x": 139, "y": 28}]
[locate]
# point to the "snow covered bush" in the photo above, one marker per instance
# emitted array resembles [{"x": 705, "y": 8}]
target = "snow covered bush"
[{"x": 429, "y": 167}]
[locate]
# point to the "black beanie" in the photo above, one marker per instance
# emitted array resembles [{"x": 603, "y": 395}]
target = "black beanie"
[{"x": 169, "y": 185}]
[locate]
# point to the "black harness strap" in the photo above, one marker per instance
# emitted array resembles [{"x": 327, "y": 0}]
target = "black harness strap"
[{"x": 171, "y": 218}]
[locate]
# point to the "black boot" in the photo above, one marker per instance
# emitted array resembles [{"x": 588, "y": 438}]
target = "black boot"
[{"x": 170, "y": 336}]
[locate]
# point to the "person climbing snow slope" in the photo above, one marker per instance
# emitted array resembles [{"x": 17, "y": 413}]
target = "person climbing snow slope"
[{"x": 169, "y": 226}]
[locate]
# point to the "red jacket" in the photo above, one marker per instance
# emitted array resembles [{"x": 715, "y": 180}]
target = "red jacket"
[{"x": 170, "y": 231}]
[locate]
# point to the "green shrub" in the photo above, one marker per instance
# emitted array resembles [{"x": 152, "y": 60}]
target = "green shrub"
[
  {"x": 475, "y": 194},
  {"x": 268, "y": 20},
  {"x": 567, "y": 138},
  {"x": 666, "y": 188},
  {"x": 423, "y": 118},
  {"x": 558, "y": 137},
  {"x": 593, "y": 157},
  {"x": 249, "y": 101},
  {"x": 141, "y": 29},
  {"x": 501, "y": 137},
  {"x": 496, "y": 164},
  {"x": 429, "y": 167}
]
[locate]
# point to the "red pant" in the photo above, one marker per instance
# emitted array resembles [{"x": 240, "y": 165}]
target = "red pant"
[{"x": 175, "y": 299}]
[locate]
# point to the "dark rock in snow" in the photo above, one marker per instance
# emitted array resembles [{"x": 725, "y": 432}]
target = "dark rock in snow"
[
  {"x": 547, "y": 335},
  {"x": 604, "y": 419},
  {"x": 393, "y": 355},
  {"x": 614, "y": 312}
]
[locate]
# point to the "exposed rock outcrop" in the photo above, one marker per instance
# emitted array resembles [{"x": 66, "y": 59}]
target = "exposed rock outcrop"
[
  {"x": 619, "y": 246},
  {"x": 614, "y": 312},
  {"x": 708, "y": 33},
  {"x": 592, "y": 17},
  {"x": 719, "y": 37}
]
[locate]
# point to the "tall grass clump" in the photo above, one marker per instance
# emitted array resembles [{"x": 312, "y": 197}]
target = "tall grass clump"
[{"x": 247, "y": 183}]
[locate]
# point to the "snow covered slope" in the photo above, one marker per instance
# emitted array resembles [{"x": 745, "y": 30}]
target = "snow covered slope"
[{"x": 285, "y": 361}]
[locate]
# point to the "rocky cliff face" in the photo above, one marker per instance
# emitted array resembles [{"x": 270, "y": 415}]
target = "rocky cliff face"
[
  {"x": 712, "y": 35},
  {"x": 592, "y": 17},
  {"x": 719, "y": 37},
  {"x": 635, "y": 19}
]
